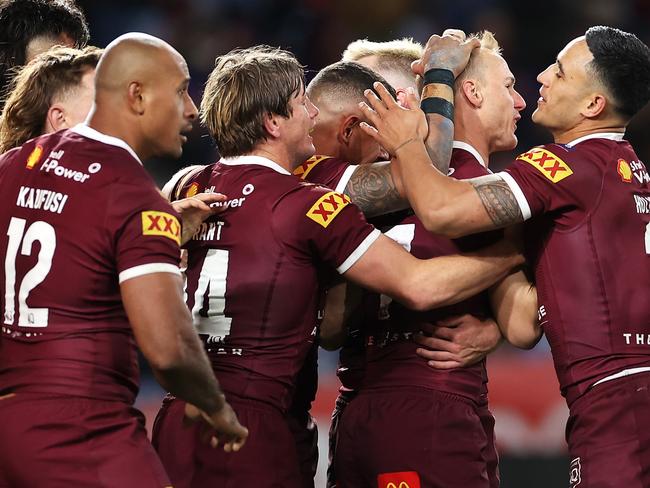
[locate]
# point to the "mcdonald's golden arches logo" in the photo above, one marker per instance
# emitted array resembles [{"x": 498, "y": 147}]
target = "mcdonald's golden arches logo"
[{"x": 399, "y": 479}]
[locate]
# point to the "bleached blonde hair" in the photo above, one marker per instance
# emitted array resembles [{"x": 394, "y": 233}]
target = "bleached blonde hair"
[
  {"x": 488, "y": 43},
  {"x": 394, "y": 55}
]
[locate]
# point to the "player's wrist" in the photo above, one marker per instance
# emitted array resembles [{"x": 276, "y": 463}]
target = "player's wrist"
[
  {"x": 438, "y": 93},
  {"x": 216, "y": 404}
]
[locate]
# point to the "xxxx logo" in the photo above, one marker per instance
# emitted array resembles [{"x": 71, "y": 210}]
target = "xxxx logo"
[
  {"x": 327, "y": 208},
  {"x": 552, "y": 167},
  {"x": 161, "y": 224},
  {"x": 303, "y": 170},
  {"x": 400, "y": 479}
]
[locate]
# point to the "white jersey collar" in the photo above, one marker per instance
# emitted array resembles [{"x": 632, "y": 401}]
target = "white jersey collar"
[
  {"x": 259, "y": 160},
  {"x": 90, "y": 133},
  {"x": 470, "y": 149},
  {"x": 613, "y": 136}
]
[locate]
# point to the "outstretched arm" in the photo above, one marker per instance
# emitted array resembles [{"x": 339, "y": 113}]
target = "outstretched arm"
[{"x": 424, "y": 284}]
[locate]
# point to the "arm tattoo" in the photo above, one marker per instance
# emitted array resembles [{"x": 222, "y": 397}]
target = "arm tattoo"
[
  {"x": 498, "y": 200},
  {"x": 372, "y": 189},
  {"x": 439, "y": 141}
]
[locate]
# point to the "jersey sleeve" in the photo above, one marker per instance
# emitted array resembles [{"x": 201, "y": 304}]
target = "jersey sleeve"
[
  {"x": 314, "y": 222},
  {"x": 551, "y": 178},
  {"x": 146, "y": 231},
  {"x": 327, "y": 171}
]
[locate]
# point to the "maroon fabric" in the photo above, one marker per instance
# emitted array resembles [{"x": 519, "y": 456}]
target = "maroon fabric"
[
  {"x": 268, "y": 460},
  {"x": 305, "y": 435},
  {"x": 609, "y": 435},
  {"x": 61, "y": 442},
  {"x": 342, "y": 401},
  {"x": 438, "y": 435},
  {"x": 80, "y": 343},
  {"x": 265, "y": 251},
  {"x": 587, "y": 243},
  {"x": 391, "y": 358}
]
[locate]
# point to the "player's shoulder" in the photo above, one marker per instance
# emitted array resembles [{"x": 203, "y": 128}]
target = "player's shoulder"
[
  {"x": 315, "y": 202},
  {"x": 187, "y": 182},
  {"x": 319, "y": 163},
  {"x": 466, "y": 164},
  {"x": 557, "y": 162}
]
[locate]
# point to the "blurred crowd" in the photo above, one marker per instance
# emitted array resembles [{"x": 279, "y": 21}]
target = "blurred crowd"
[{"x": 317, "y": 31}]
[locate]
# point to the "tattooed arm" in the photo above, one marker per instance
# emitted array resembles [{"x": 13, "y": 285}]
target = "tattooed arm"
[{"x": 373, "y": 190}]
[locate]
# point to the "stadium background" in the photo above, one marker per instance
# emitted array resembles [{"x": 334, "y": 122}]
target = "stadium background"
[{"x": 524, "y": 394}]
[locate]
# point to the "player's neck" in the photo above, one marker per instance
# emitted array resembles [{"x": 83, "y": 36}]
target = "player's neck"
[
  {"x": 587, "y": 128},
  {"x": 277, "y": 154},
  {"x": 478, "y": 143},
  {"x": 112, "y": 127}
]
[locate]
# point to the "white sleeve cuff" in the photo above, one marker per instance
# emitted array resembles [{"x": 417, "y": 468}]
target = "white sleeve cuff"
[
  {"x": 359, "y": 251},
  {"x": 516, "y": 191},
  {"x": 345, "y": 178},
  {"x": 145, "y": 269}
]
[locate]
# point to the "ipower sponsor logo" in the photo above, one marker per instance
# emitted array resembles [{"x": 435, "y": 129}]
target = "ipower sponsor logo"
[{"x": 52, "y": 165}]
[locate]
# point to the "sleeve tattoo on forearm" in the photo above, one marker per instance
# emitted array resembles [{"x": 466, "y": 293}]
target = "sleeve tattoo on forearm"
[
  {"x": 498, "y": 200},
  {"x": 372, "y": 189}
]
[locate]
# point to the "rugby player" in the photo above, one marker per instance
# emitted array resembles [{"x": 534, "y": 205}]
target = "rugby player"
[
  {"x": 91, "y": 268},
  {"x": 585, "y": 198},
  {"x": 426, "y": 449},
  {"x": 30, "y": 27},
  {"x": 268, "y": 249}
]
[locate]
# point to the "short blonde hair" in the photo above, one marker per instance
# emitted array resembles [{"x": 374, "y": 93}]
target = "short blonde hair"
[
  {"x": 488, "y": 43},
  {"x": 392, "y": 55},
  {"x": 244, "y": 87}
]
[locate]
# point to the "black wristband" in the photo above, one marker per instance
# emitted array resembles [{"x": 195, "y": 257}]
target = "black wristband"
[
  {"x": 439, "y": 75},
  {"x": 437, "y": 105}
]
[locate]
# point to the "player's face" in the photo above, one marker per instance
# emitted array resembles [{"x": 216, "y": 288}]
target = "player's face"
[
  {"x": 298, "y": 127},
  {"x": 566, "y": 84},
  {"x": 501, "y": 102},
  {"x": 171, "y": 110},
  {"x": 363, "y": 149}
]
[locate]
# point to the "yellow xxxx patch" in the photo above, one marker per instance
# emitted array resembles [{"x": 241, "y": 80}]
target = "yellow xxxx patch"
[
  {"x": 303, "y": 170},
  {"x": 547, "y": 163},
  {"x": 161, "y": 224},
  {"x": 327, "y": 208}
]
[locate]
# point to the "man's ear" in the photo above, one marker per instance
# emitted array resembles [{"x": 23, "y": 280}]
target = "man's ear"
[
  {"x": 471, "y": 90},
  {"x": 597, "y": 103},
  {"x": 136, "y": 97},
  {"x": 272, "y": 125},
  {"x": 55, "y": 118},
  {"x": 346, "y": 128}
]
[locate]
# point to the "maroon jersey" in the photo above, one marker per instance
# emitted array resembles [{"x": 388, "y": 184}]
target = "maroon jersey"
[
  {"x": 589, "y": 244},
  {"x": 335, "y": 173},
  {"x": 252, "y": 275},
  {"x": 80, "y": 216},
  {"x": 391, "y": 357}
]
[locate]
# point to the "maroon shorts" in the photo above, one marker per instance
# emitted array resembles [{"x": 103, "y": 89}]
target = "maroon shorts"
[
  {"x": 608, "y": 433},
  {"x": 55, "y": 442},
  {"x": 416, "y": 438},
  {"x": 342, "y": 401},
  {"x": 305, "y": 435},
  {"x": 268, "y": 460}
]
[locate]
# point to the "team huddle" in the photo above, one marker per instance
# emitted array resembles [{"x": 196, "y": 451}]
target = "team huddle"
[{"x": 356, "y": 212}]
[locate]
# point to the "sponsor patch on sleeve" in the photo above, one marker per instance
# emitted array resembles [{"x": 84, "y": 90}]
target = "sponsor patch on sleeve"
[
  {"x": 327, "y": 207},
  {"x": 192, "y": 190},
  {"x": 624, "y": 170},
  {"x": 401, "y": 479},
  {"x": 303, "y": 170},
  {"x": 34, "y": 157},
  {"x": 161, "y": 224},
  {"x": 547, "y": 163}
]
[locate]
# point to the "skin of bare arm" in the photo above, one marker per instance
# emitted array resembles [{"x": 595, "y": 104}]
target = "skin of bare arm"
[
  {"x": 342, "y": 300},
  {"x": 424, "y": 284},
  {"x": 514, "y": 303},
  {"x": 163, "y": 330},
  {"x": 373, "y": 189},
  {"x": 456, "y": 207}
]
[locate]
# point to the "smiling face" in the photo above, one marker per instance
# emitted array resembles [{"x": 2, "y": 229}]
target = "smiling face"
[
  {"x": 297, "y": 128},
  {"x": 567, "y": 86},
  {"x": 501, "y": 105}
]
